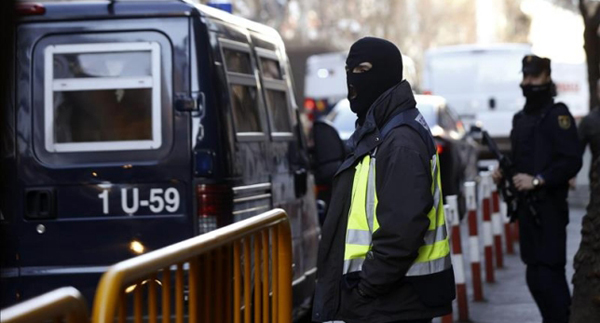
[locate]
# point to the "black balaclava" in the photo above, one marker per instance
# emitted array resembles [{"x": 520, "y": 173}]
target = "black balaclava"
[{"x": 365, "y": 88}]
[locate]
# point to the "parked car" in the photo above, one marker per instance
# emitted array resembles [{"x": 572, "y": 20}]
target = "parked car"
[
  {"x": 145, "y": 122},
  {"x": 457, "y": 150}
]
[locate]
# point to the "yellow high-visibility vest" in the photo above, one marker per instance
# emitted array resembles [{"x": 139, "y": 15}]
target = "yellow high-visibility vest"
[{"x": 434, "y": 255}]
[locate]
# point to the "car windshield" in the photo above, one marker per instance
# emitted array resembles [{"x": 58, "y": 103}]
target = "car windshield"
[
  {"x": 428, "y": 112},
  {"x": 343, "y": 119}
]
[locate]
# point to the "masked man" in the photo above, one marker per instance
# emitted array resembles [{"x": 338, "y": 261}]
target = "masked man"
[
  {"x": 384, "y": 254},
  {"x": 546, "y": 153}
]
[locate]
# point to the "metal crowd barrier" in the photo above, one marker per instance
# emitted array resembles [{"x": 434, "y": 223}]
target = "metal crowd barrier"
[
  {"x": 203, "y": 277},
  {"x": 61, "y": 305}
]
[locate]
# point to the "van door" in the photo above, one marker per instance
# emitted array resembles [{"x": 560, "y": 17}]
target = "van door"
[
  {"x": 9, "y": 272},
  {"x": 104, "y": 158},
  {"x": 289, "y": 168},
  {"x": 250, "y": 175}
]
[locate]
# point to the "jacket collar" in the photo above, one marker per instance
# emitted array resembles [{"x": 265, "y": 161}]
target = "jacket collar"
[{"x": 366, "y": 138}]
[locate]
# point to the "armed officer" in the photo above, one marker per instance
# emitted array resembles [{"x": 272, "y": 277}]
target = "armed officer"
[{"x": 546, "y": 154}]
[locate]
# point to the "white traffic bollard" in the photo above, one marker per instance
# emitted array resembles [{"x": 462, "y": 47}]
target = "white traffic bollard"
[
  {"x": 474, "y": 241},
  {"x": 457, "y": 260},
  {"x": 487, "y": 226}
]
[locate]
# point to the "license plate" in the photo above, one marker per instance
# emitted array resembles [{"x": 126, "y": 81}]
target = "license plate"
[{"x": 121, "y": 200}]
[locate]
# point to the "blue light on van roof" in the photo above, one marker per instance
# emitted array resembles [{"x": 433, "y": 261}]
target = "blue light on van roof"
[{"x": 224, "y": 5}]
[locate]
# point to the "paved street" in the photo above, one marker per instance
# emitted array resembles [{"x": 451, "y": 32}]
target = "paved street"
[{"x": 508, "y": 300}]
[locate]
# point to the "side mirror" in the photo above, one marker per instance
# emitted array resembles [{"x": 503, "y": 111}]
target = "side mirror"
[
  {"x": 476, "y": 133},
  {"x": 328, "y": 153},
  {"x": 475, "y": 129}
]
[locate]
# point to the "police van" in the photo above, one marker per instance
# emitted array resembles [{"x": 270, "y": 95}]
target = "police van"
[{"x": 133, "y": 125}]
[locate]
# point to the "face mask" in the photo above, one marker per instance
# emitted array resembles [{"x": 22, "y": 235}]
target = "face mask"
[
  {"x": 537, "y": 92},
  {"x": 386, "y": 71}
]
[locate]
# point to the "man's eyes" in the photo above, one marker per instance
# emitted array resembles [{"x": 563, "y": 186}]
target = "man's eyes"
[{"x": 361, "y": 68}]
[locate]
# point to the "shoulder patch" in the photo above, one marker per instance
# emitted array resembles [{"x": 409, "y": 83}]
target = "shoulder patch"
[{"x": 564, "y": 121}]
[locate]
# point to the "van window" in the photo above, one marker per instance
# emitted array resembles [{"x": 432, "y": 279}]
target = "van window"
[
  {"x": 102, "y": 97},
  {"x": 245, "y": 108},
  {"x": 278, "y": 110},
  {"x": 243, "y": 89},
  {"x": 237, "y": 61},
  {"x": 276, "y": 93},
  {"x": 270, "y": 68}
]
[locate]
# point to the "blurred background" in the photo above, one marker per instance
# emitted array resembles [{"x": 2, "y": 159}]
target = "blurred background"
[
  {"x": 553, "y": 28},
  {"x": 230, "y": 143},
  {"x": 467, "y": 51}
]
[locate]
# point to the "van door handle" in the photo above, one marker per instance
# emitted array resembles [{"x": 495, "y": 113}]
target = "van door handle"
[
  {"x": 40, "y": 204},
  {"x": 184, "y": 102}
]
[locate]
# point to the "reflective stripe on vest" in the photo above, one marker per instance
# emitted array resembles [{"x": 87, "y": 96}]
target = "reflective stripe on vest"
[
  {"x": 433, "y": 256},
  {"x": 362, "y": 221}
]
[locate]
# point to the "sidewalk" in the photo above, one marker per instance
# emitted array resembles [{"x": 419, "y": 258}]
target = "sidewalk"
[{"x": 508, "y": 300}]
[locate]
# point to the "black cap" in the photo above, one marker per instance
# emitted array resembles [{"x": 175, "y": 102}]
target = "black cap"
[{"x": 535, "y": 65}]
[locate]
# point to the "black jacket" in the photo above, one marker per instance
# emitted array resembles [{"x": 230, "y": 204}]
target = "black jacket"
[
  {"x": 403, "y": 183},
  {"x": 545, "y": 143}
]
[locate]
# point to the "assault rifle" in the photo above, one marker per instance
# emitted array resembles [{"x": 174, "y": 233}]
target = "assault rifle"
[{"x": 507, "y": 188}]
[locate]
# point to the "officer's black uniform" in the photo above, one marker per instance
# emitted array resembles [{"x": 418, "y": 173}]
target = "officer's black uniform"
[{"x": 545, "y": 144}]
